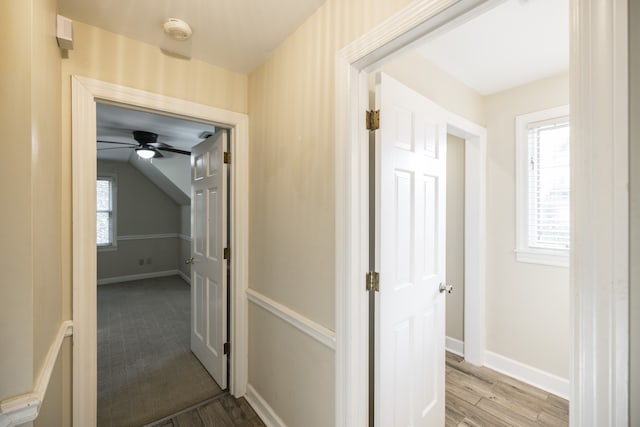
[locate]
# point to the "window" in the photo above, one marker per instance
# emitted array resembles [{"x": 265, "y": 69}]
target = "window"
[
  {"x": 543, "y": 187},
  {"x": 105, "y": 212}
]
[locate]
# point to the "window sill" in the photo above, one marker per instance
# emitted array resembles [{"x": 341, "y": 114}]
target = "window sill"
[
  {"x": 553, "y": 258},
  {"x": 107, "y": 248}
]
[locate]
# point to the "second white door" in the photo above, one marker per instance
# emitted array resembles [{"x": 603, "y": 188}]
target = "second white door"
[{"x": 410, "y": 257}]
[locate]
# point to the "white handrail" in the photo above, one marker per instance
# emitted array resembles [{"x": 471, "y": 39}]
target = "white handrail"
[{"x": 21, "y": 409}]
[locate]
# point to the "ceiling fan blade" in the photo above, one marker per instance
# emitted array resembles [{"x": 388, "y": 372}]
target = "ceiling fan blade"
[
  {"x": 158, "y": 155},
  {"x": 174, "y": 150},
  {"x": 120, "y": 143},
  {"x": 160, "y": 144}
]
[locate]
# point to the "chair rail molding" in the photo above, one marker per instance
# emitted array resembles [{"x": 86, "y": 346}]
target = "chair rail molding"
[
  {"x": 316, "y": 331},
  {"x": 21, "y": 409}
]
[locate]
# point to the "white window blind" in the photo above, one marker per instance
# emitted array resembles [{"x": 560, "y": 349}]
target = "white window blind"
[
  {"x": 548, "y": 184},
  {"x": 543, "y": 187},
  {"x": 104, "y": 211}
]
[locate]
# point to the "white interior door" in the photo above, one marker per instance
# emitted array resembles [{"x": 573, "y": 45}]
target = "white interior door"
[
  {"x": 208, "y": 269},
  {"x": 410, "y": 257}
]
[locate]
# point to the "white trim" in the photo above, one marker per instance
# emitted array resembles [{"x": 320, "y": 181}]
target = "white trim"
[
  {"x": 184, "y": 277},
  {"x": 140, "y": 276},
  {"x": 600, "y": 215},
  {"x": 475, "y": 242},
  {"x": 85, "y": 93},
  {"x": 149, "y": 236},
  {"x": 316, "y": 331},
  {"x": 454, "y": 346},
  {"x": 543, "y": 256},
  {"x": 21, "y": 409},
  {"x": 184, "y": 237},
  {"x": 262, "y": 408},
  {"x": 528, "y": 374}
]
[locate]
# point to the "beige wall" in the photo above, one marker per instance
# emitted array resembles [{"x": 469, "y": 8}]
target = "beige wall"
[
  {"x": 455, "y": 237},
  {"x": 16, "y": 245},
  {"x": 30, "y": 174},
  {"x": 291, "y": 110},
  {"x": 527, "y": 304},
  {"x": 142, "y": 209},
  {"x": 434, "y": 83}
]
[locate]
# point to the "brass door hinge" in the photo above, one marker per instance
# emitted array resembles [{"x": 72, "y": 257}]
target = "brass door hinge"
[
  {"x": 373, "y": 281},
  {"x": 226, "y": 253},
  {"x": 227, "y": 157},
  {"x": 227, "y": 348},
  {"x": 373, "y": 120}
]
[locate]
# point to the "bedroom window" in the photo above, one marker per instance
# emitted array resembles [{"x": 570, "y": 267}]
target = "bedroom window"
[
  {"x": 105, "y": 212},
  {"x": 543, "y": 187}
]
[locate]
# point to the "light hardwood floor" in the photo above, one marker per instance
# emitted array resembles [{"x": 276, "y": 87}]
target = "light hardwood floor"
[
  {"x": 482, "y": 397},
  {"x": 474, "y": 397}
]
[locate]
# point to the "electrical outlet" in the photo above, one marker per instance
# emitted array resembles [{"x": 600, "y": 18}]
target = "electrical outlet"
[
  {"x": 141, "y": 261},
  {"x": 148, "y": 260}
]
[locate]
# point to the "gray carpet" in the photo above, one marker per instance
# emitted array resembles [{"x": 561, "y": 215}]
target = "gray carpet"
[{"x": 146, "y": 370}]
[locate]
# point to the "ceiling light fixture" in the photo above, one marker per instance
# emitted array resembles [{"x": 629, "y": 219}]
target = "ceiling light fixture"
[
  {"x": 177, "y": 29},
  {"x": 145, "y": 152}
]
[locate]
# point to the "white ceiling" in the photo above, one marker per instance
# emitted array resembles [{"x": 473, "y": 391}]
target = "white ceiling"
[
  {"x": 117, "y": 124},
  {"x": 234, "y": 34},
  {"x": 517, "y": 42}
]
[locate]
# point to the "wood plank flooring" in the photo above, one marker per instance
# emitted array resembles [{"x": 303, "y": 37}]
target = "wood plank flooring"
[
  {"x": 482, "y": 397},
  {"x": 221, "y": 411},
  {"x": 474, "y": 397}
]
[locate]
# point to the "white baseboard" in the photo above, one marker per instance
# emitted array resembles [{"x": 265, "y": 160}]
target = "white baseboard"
[
  {"x": 262, "y": 408},
  {"x": 132, "y": 277},
  {"x": 184, "y": 277},
  {"x": 454, "y": 346},
  {"x": 548, "y": 382}
]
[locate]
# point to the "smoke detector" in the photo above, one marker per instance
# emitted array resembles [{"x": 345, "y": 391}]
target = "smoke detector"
[{"x": 177, "y": 29}]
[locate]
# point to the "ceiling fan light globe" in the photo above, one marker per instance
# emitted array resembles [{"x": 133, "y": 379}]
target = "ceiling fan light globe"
[{"x": 145, "y": 153}]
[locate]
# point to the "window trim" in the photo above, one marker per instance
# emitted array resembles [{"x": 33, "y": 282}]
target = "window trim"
[
  {"x": 525, "y": 253},
  {"x": 114, "y": 212}
]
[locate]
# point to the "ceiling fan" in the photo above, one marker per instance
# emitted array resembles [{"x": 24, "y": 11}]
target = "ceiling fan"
[{"x": 147, "y": 146}]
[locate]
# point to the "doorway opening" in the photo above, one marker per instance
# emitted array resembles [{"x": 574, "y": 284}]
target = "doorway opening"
[
  {"x": 147, "y": 368},
  {"x": 518, "y": 64},
  {"x": 557, "y": 373},
  {"x": 85, "y": 95}
]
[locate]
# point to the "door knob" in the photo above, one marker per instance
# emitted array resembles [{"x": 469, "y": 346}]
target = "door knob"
[
  {"x": 189, "y": 260},
  {"x": 445, "y": 288}
]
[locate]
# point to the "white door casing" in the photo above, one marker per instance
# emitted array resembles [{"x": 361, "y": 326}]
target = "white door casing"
[
  {"x": 410, "y": 256},
  {"x": 208, "y": 269},
  {"x": 85, "y": 93}
]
